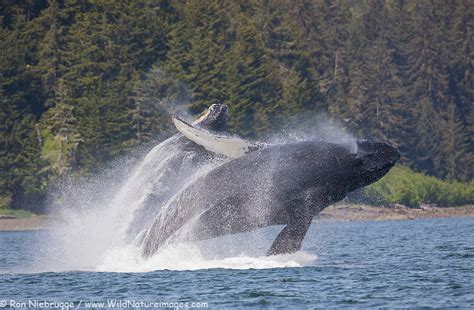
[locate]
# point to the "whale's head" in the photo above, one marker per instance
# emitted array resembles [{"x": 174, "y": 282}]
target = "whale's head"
[
  {"x": 328, "y": 168},
  {"x": 372, "y": 160},
  {"x": 215, "y": 119}
]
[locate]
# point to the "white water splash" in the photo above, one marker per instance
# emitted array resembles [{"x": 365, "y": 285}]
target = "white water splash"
[
  {"x": 188, "y": 256},
  {"x": 109, "y": 213}
]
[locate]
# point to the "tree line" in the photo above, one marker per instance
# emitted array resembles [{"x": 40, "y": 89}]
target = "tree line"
[{"x": 82, "y": 81}]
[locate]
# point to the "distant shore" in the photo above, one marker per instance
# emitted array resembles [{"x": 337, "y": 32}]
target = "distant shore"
[
  {"x": 335, "y": 213},
  {"x": 9, "y": 223},
  {"x": 354, "y": 212}
]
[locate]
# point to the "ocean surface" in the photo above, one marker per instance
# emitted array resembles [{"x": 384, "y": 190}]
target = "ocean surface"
[{"x": 392, "y": 264}]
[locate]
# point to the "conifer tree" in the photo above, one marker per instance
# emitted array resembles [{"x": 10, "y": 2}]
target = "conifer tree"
[
  {"x": 427, "y": 85},
  {"x": 387, "y": 96},
  {"x": 157, "y": 95},
  {"x": 21, "y": 102},
  {"x": 252, "y": 89},
  {"x": 460, "y": 49},
  {"x": 456, "y": 158}
]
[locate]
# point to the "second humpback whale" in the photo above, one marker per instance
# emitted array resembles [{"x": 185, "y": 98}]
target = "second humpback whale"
[{"x": 286, "y": 184}]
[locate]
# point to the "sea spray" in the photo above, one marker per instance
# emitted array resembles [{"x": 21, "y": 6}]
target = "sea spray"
[
  {"x": 319, "y": 127},
  {"x": 125, "y": 205}
]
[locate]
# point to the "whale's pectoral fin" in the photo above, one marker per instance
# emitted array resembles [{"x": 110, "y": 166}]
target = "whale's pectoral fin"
[
  {"x": 225, "y": 145},
  {"x": 289, "y": 240}
]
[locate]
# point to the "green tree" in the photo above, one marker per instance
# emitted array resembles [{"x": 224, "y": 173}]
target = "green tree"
[
  {"x": 456, "y": 157},
  {"x": 156, "y": 96},
  {"x": 427, "y": 85},
  {"x": 252, "y": 89}
]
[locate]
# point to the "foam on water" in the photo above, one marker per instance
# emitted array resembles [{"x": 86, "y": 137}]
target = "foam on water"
[{"x": 188, "y": 256}]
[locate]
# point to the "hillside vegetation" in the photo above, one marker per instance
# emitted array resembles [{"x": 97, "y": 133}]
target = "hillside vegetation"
[
  {"x": 83, "y": 81},
  {"x": 403, "y": 186}
]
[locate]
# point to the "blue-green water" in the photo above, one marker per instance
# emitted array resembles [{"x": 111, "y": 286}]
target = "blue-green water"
[{"x": 419, "y": 263}]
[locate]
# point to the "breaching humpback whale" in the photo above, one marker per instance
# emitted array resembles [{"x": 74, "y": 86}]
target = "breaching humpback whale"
[{"x": 286, "y": 184}]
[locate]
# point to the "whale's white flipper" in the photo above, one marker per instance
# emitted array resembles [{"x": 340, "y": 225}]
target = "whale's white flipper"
[{"x": 225, "y": 145}]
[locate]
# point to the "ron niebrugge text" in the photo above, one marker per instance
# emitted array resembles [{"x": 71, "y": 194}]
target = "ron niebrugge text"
[{"x": 107, "y": 304}]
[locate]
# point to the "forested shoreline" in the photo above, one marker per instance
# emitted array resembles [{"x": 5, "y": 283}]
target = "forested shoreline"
[{"x": 84, "y": 82}]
